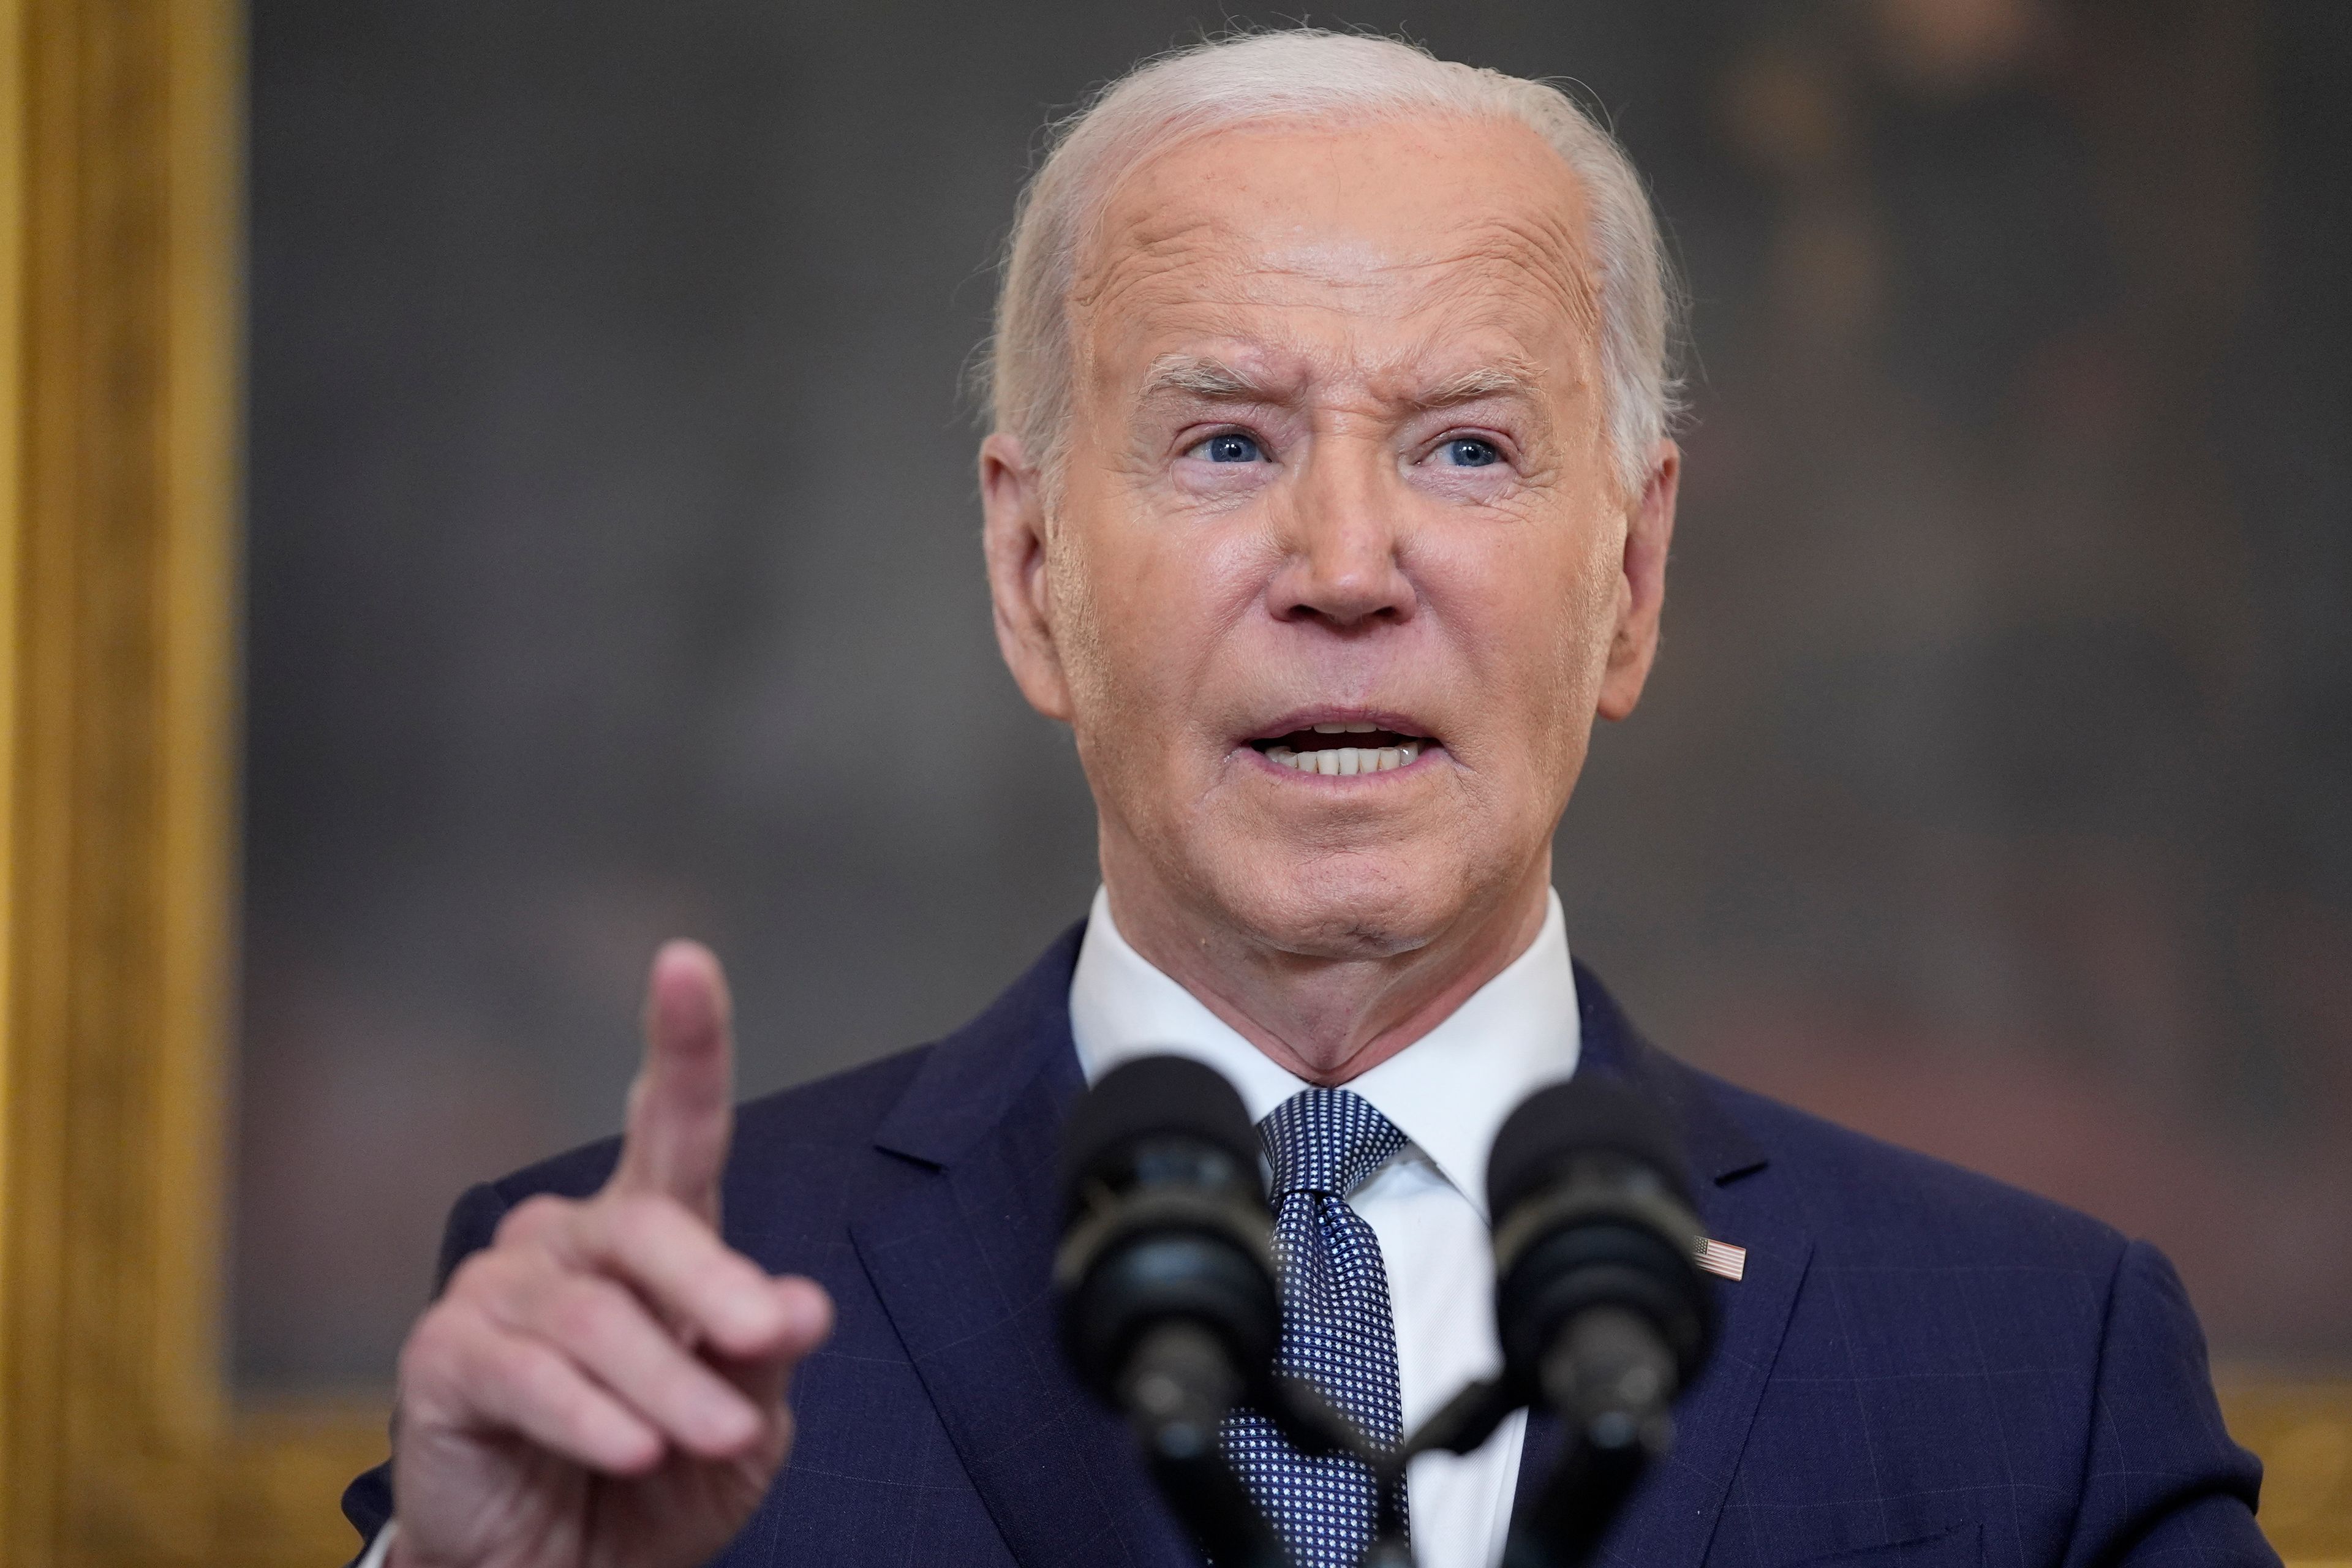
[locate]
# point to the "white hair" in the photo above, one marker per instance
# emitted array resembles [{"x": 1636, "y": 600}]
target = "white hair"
[{"x": 1312, "y": 73}]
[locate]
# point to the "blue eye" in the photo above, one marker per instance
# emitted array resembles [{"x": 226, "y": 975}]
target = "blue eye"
[
  {"x": 1230, "y": 448},
  {"x": 1470, "y": 452}
]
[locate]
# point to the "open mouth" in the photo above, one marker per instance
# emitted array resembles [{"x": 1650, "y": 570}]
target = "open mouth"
[{"x": 1342, "y": 749}]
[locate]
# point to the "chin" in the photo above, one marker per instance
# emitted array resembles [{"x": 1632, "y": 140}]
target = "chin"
[{"x": 1354, "y": 904}]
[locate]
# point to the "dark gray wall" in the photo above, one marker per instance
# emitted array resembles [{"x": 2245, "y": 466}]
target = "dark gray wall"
[{"x": 613, "y": 573}]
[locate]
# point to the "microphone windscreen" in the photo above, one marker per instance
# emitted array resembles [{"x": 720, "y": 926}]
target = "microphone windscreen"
[
  {"x": 1155, "y": 1096},
  {"x": 1589, "y": 1114}
]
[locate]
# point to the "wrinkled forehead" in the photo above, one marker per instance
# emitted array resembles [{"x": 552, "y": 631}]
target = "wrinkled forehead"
[{"x": 1360, "y": 239}]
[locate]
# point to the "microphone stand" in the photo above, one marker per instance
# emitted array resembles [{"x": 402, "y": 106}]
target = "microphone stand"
[
  {"x": 1179, "y": 1386},
  {"x": 1587, "y": 1487},
  {"x": 1461, "y": 1426},
  {"x": 1178, "y": 1420},
  {"x": 1609, "y": 1445},
  {"x": 1389, "y": 1547},
  {"x": 1316, "y": 1427}
]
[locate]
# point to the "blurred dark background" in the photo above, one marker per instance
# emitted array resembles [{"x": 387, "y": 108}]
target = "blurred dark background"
[{"x": 613, "y": 573}]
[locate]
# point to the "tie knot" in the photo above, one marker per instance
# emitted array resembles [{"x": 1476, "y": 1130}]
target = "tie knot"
[{"x": 1326, "y": 1140}]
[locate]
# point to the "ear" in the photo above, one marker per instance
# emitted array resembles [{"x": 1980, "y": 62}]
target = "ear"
[
  {"x": 1012, "y": 502},
  {"x": 1642, "y": 587}
]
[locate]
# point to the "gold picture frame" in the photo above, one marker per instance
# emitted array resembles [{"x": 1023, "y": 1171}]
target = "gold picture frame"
[
  {"x": 120, "y": 1442},
  {"x": 118, "y": 188}
]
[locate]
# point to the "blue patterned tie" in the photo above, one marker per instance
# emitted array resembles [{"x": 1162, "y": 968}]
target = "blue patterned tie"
[{"x": 1336, "y": 1328}]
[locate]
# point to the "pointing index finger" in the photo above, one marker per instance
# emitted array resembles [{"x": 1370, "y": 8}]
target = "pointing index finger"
[{"x": 681, "y": 1107}]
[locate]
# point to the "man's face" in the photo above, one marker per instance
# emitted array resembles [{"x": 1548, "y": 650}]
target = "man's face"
[{"x": 1338, "y": 572}]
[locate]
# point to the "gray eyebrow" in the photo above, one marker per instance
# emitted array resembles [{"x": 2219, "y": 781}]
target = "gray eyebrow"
[
  {"x": 1485, "y": 381},
  {"x": 1203, "y": 378}
]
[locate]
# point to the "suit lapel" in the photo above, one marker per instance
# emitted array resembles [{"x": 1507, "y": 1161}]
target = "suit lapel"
[
  {"x": 1671, "y": 1518},
  {"x": 962, "y": 1262}
]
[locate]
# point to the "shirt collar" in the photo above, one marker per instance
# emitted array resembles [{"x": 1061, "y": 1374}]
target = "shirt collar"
[{"x": 1449, "y": 1091}]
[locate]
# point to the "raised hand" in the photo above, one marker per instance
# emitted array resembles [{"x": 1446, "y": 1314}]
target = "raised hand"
[{"x": 604, "y": 1383}]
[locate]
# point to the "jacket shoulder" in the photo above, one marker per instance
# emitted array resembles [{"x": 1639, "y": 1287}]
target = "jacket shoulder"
[
  {"x": 2003, "y": 1356},
  {"x": 1885, "y": 1203}
]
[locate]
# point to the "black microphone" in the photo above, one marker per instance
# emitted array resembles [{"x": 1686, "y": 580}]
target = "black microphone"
[
  {"x": 1599, "y": 1302},
  {"x": 1170, "y": 1309}
]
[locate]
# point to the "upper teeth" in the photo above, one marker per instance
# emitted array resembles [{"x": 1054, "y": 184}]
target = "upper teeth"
[
  {"x": 1344, "y": 760},
  {"x": 1351, "y": 728}
]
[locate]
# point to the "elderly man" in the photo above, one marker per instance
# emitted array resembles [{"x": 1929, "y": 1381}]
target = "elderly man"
[{"x": 1328, "y": 501}]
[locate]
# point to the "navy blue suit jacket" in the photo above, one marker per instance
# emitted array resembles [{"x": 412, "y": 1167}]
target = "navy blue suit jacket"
[{"x": 1922, "y": 1367}]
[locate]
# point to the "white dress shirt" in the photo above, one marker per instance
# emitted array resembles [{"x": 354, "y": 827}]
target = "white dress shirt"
[{"x": 1448, "y": 1092}]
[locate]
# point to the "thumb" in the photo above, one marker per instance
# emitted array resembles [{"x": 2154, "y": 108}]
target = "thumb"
[{"x": 681, "y": 1107}]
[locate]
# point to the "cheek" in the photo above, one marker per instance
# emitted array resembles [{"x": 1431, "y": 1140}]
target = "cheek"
[
  {"x": 1541, "y": 608},
  {"x": 1077, "y": 623},
  {"x": 1141, "y": 614},
  {"x": 1162, "y": 596},
  {"x": 1591, "y": 623},
  {"x": 1582, "y": 632}
]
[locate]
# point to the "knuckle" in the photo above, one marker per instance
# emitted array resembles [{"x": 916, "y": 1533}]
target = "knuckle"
[
  {"x": 621, "y": 1219},
  {"x": 478, "y": 1275},
  {"x": 530, "y": 1219},
  {"x": 706, "y": 1275},
  {"x": 431, "y": 1348},
  {"x": 640, "y": 1219},
  {"x": 447, "y": 1361},
  {"x": 532, "y": 1378},
  {"x": 550, "y": 1396},
  {"x": 538, "y": 1373},
  {"x": 496, "y": 1284},
  {"x": 581, "y": 1312},
  {"x": 654, "y": 1235}
]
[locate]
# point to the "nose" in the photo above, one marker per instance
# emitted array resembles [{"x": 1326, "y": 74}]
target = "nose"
[{"x": 1341, "y": 562}]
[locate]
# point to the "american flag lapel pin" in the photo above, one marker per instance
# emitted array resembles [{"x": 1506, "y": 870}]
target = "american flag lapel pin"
[{"x": 1722, "y": 1259}]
